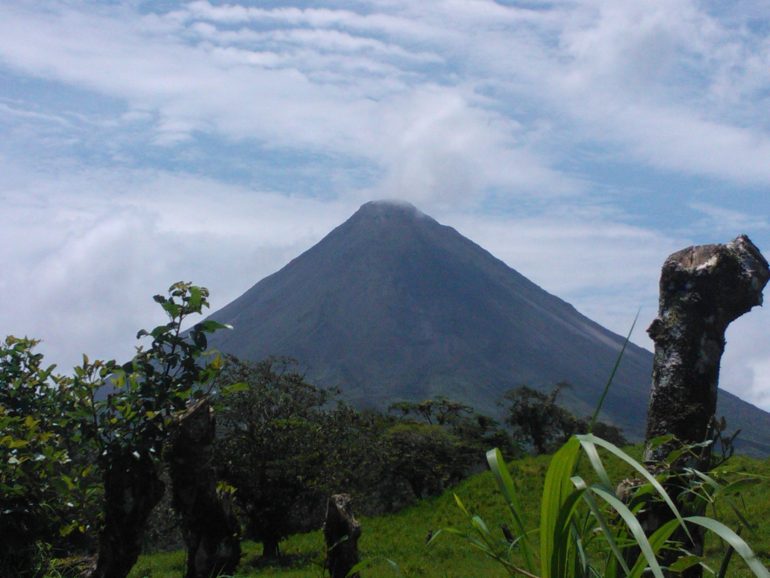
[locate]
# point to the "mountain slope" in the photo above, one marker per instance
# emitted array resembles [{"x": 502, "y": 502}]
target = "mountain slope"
[{"x": 393, "y": 305}]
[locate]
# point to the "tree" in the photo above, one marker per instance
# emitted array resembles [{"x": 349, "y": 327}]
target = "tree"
[
  {"x": 538, "y": 421},
  {"x": 423, "y": 455},
  {"x": 439, "y": 410},
  {"x": 272, "y": 447},
  {"x": 438, "y": 442},
  {"x": 57, "y": 440},
  {"x": 134, "y": 422},
  {"x": 49, "y": 490}
]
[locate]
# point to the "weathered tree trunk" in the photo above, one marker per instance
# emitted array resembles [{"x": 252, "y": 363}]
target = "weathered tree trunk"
[
  {"x": 702, "y": 290},
  {"x": 132, "y": 488},
  {"x": 271, "y": 548},
  {"x": 341, "y": 532},
  {"x": 209, "y": 527}
]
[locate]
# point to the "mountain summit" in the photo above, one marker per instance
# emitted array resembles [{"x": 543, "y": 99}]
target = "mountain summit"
[{"x": 392, "y": 305}]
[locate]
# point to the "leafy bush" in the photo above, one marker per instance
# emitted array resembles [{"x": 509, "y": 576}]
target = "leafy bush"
[
  {"x": 62, "y": 441},
  {"x": 587, "y": 530},
  {"x": 49, "y": 490}
]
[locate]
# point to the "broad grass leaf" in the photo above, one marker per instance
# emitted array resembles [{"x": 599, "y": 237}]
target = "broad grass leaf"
[
  {"x": 634, "y": 527},
  {"x": 557, "y": 490},
  {"x": 588, "y": 440},
  {"x": 734, "y": 541},
  {"x": 508, "y": 490}
]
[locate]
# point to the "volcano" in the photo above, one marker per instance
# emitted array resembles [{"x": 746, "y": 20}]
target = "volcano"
[{"x": 392, "y": 305}]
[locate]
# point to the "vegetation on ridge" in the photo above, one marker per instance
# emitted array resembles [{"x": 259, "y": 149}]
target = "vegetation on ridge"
[
  {"x": 401, "y": 536},
  {"x": 75, "y": 463}
]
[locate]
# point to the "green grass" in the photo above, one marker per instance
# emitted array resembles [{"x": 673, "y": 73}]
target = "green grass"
[{"x": 401, "y": 537}]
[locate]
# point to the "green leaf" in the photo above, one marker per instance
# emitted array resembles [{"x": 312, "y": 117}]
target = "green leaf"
[
  {"x": 235, "y": 388},
  {"x": 210, "y": 326},
  {"x": 195, "y": 299},
  {"x": 734, "y": 541},
  {"x": 173, "y": 309},
  {"x": 556, "y": 492},
  {"x": 589, "y": 440},
  {"x": 633, "y": 526},
  {"x": 683, "y": 563},
  {"x": 508, "y": 490}
]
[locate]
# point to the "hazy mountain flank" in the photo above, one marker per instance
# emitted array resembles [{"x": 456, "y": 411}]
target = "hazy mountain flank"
[{"x": 392, "y": 305}]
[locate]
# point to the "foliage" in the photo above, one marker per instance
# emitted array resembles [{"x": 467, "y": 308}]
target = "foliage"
[
  {"x": 48, "y": 489},
  {"x": 59, "y": 434},
  {"x": 356, "y": 460},
  {"x": 586, "y": 530},
  {"x": 161, "y": 379},
  {"x": 440, "y": 410},
  {"x": 437, "y": 442},
  {"x": 536, "y": 419},
  {"x": 401, "y": 535},
  {"x": 135, "y": 421},
  {"x": 272, "y": 447},
  {"x": 425, "y": 456},
  {"x": 540, "y": 423}
]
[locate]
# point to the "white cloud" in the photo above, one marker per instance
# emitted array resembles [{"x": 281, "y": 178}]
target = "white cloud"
[
  {"x": 82, "y": 264},
  {"x": 723, "y": 221},
  {"x": 459, "y": 106},
  {"x": 100, "y": 243},
  {"x": 664, "y": 82}
]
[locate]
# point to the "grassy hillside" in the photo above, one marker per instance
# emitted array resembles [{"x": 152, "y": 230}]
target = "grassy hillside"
[{"x": 401, "y": 537}]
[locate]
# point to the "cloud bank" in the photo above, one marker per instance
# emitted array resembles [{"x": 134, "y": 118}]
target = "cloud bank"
[{"x": 580, "y": 141}]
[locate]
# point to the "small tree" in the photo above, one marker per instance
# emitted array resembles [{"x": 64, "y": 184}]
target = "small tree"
[
  {"x": 272, "y": 449},
  {"x": 56, "y": 439},
  {"x": 439, "y": 410},
  {"x": 539, "y": 422},
  {"x": 134, "y": 422},
  {"x": 425, "y": 456},
  {"x": 438, "y": 442}
]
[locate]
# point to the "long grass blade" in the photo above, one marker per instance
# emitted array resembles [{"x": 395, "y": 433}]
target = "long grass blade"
[
  {"x": 633, "y": 526},
  {"x": 734, "y": 541},
  {"x": 615, "y": 367},
  {"x": 589, "y": 439},
  {"x": 508, "y": 490},
  {"x": 556, "y": 491},
  {"x": 609, "y": 536},
  {"x": 589, "y": 447},
  {"x": 565, "y": 550},
  {"x": 657, "y": 540}
]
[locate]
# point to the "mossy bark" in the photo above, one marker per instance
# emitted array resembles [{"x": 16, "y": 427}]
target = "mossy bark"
[
  {"x": 132, "y": 488},
  {"x": 209, "y": 527}
]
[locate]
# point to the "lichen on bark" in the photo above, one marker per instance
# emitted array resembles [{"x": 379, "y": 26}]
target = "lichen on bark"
[{"x": 702, "y": 290}]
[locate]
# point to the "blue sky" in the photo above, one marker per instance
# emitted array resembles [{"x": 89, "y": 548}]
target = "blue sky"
[{"x": 581, "y": 141}]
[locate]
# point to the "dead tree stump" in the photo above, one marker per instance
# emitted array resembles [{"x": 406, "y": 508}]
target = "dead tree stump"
[
  {"x": 702, "y": 290},
  {"x": 209, "y": 526},
  {"x": 341, "y": 532}
]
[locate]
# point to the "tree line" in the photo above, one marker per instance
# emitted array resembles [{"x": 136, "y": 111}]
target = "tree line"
[{"x": 85, "y": 458}]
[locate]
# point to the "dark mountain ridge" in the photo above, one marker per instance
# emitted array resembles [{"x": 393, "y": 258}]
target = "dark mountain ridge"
[{"x": 392, "y": 305}]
